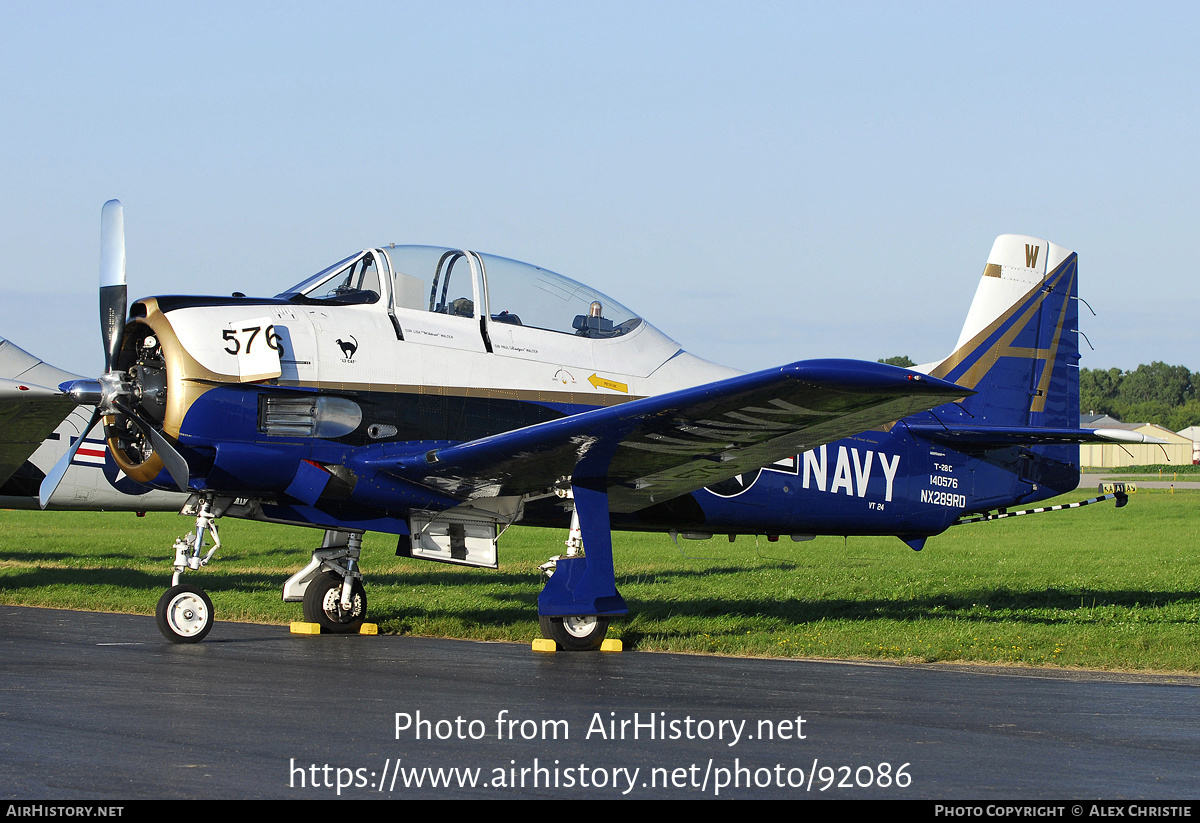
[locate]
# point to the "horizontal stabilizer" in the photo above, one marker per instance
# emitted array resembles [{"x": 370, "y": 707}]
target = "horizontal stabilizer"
[
  {"x": 1123, "y": 436},
  {"x": 1000, "y": 436},
  {"x": 656, "y": 448}
]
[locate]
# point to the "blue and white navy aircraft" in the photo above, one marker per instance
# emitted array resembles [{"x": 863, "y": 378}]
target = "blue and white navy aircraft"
[{"x": 441, "y": 395}]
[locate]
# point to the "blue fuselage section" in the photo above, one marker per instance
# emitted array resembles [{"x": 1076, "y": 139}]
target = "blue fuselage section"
[
  {"x": 877, "y": 482},
  {"x": 883, "y": 483}
]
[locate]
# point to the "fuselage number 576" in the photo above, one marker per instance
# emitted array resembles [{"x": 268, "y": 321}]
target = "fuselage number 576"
[{"x": 235, "y": 338}]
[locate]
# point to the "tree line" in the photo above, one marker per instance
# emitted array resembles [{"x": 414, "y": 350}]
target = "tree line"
[{"x": 1157, "y": 393}]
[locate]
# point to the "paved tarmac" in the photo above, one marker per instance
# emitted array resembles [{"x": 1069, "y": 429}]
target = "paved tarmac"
[{"x": 99, "y": 707}]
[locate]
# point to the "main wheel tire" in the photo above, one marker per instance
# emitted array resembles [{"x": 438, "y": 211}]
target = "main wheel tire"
[
  {"x": 575, "y": 634},
  {"x": 323, "y": 605},
  {"x": 184, "y": 614}
]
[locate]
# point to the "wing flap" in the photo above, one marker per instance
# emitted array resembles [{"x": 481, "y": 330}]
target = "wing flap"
[{"x": 655, "y": 448}]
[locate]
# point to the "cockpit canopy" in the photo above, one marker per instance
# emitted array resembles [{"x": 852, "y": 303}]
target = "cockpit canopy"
[{"x": 466, "y": 284}]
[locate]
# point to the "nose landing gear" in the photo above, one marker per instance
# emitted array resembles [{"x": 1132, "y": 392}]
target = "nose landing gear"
[{"x": 184, "y": 614}]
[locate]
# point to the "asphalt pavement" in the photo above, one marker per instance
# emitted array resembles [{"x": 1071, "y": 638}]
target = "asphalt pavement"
[{"x": 98, "y": 707}]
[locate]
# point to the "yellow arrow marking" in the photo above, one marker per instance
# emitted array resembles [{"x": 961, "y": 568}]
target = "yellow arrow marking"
[{"x": 598, "y": 382}]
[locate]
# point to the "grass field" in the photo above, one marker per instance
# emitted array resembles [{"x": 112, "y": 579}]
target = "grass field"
[{"x": 1095, "y": 588}]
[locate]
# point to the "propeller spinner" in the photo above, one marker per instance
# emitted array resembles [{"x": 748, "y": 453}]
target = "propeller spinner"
[{"x": 115, "y": 394}]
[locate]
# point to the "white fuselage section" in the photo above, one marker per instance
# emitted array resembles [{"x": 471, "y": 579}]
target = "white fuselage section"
[{"x": 357, "y": 348}]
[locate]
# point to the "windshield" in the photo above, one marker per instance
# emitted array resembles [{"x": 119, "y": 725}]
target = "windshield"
[{"x": 351, "y": 281}]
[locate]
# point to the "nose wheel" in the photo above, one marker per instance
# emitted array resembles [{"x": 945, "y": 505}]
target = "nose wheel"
[{"x": 184, "y": 614}]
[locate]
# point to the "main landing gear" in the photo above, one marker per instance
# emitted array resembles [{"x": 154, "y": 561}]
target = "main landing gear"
[
  {"x": 330, "y": 586},
  {"x": 323, "y": 604},
  {"x": 581, "y": 595},
  {"x": 584, "y": 633}
]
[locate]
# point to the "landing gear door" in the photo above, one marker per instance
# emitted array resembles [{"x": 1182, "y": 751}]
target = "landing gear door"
[{"x": 450, "y": 539}]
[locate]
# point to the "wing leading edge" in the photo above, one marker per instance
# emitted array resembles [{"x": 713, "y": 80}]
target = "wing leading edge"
[{"x": 656, "y": 448}]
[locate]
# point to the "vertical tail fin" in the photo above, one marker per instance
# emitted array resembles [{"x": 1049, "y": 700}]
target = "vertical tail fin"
[{"x": 1019, "y": 347}]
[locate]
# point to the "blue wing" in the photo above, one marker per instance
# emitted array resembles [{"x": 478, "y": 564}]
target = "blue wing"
[{"x": 655, "y": 448}]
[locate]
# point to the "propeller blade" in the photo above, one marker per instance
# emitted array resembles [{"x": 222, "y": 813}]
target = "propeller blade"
[
  {"x": 172, "y": 460},
  {"x": 176, "y": 466},
  {"x": 113, "y": 311},
  {"x": 60, "y": 468},
  {"x": 113, "y": 291}
]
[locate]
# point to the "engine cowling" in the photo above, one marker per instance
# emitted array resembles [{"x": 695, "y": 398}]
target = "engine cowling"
[{"x": 164, "y": 380}]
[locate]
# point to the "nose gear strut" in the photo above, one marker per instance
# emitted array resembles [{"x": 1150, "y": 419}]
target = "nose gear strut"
[{"x": 189, "y": 546}]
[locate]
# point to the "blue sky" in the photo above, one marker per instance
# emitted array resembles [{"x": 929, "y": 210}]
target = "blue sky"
[{"x": 766, "y": 182}]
